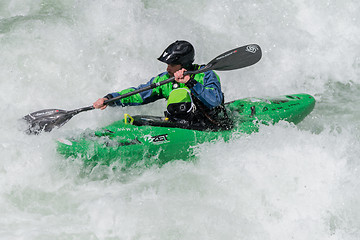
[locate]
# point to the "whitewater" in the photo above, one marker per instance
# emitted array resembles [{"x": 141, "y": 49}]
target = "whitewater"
[{"x": 283, "y": 182}]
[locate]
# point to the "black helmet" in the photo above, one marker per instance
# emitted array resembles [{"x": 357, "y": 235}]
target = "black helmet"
[{"x": 179, "y": 52}]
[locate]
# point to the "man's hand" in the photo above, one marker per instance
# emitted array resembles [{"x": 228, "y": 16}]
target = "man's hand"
[
  {"x": 179, "y": 76},
  {"x": 100, "y": 104}
]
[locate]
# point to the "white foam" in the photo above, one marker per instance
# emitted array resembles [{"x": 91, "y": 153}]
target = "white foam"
[{"x": 284, "y": 182}]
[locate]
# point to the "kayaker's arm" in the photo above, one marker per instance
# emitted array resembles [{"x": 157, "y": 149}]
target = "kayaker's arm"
[
  {"x": 208, "y": 93},
  {"x": 140, "y": 98}
]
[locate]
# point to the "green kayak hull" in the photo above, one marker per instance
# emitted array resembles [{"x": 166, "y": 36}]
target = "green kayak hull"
[{"x": 147, "y": 140}]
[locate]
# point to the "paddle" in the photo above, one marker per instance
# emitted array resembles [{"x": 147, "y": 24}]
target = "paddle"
[{"x": 46, "y": 120}]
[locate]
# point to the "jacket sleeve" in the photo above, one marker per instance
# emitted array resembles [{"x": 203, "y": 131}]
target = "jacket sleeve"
[
  {"x": 209, "y": 92},
  {"x": 139, "y": 98}
]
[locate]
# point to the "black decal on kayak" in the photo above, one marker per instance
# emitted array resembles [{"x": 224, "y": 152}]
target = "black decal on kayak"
[{"x": 158, "y": 138}]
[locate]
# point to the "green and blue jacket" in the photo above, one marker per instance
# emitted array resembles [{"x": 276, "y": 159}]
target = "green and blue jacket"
[{"x": 206, "y": 88}]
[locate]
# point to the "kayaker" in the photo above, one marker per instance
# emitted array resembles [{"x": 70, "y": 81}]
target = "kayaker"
[{"x": 191, "y": 99}]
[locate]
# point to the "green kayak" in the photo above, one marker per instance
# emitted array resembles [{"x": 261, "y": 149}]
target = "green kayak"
[{"x": 147, "y": 140}]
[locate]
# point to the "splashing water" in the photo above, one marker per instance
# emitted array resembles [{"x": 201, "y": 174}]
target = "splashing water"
[{"x": 284, "y": 182}]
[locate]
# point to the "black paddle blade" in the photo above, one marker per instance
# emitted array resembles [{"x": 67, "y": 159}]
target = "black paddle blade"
[
  {"x": 46, "y": 120},
  {"x": 237, "y": 58}
]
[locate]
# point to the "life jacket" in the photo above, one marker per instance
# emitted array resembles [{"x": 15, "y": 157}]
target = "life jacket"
[
  {"x": 184, "y": 107},
  {"x": 180, "y": 103}
]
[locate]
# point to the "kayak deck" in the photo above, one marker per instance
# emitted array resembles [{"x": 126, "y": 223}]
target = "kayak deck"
[{"x": 272, "y": 110}]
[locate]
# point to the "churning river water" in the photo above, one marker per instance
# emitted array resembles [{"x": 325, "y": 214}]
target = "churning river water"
[{"x": 284, "y": 182}]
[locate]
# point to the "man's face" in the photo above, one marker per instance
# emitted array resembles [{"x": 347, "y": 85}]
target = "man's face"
[{"x": 172, "y": 68}]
